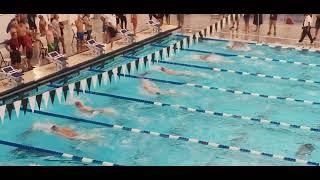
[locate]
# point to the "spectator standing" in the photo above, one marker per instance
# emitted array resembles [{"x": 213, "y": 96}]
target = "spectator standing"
[
  {"x": 28, "y": 49},
  {"x": 273, "y": 22},
  {"x": 42, "y": 26},
  {"x": 50, "y": 39},
  {"x": 160, "y": 18},
  {"x": 12, "y": 24},
  {"x": 123, "y": 19},
  {"x": 104, "y": 28},
  {"x": 150, "y": 16},
  {"x": 88, "y": 25},
  {"x": 306, "y": 27},
  {"x": 134, "y": 21},
  {"x": 317, "y": 26},
  {"x": 180, "y": 18},
  {"x": 57, "y": 32},
  {"x": 118, "y": 17},
  {"x": 246, "y": 18},
  {"x": 80, "y": 33},
  {"x": 257, "y": 20},
  {"x": 32, "y": 24},
  {"x": 167, "y": 18},
  {"x": 13, "y": 45},
  {"x": 234, "y": 21},
  {"x": 111, "y": 31}
]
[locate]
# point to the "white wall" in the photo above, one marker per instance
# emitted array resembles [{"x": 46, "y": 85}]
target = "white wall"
[{"x": 4, "y": 20}]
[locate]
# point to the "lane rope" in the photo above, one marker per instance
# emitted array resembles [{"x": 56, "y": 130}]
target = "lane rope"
[
  {"x": 57, "y": 154},
  {"x": 232, "y": 71},
  {"x": 181, "y": 138},
  {"x": 225, "y": 90},
  {"x": 247, "y": 57},
  {"x": 210, "y": 112}
]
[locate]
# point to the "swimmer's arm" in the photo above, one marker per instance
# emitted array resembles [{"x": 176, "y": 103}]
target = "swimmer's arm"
[
  {"x": 107, "y": 110},
  {"x": 26, "y": 133}
]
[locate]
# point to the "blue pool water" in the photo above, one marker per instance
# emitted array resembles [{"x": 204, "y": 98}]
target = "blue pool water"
[{"x": 128, "y": 148}]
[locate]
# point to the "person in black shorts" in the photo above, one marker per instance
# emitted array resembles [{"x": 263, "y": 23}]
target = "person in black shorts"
[
  {"x": 118, "y": 17},
  {"x": 317, "y": 26},
  {"x": 150, "y": 16},
  {"x": 257, "y": 20},
  {"x": 32, "y": 24},
  {"x": 123, "y": 19},
  {"x": 272, "y": 22}
]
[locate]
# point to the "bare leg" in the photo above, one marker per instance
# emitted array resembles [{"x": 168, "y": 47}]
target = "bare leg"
[
  {"x": 78, "y": 46},
  {"x": 237, "y": 25},
  {"x": 316, "y": 34},
  {"x": 63, "y": 45},
  {"x": 275, "y": 28},
  {"x": 270, "y": 24}
]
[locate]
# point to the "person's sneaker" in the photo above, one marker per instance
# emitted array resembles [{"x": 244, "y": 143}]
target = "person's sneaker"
[
  {"x": 231, "y": 27},
  {"x": 268, "y": 33}
]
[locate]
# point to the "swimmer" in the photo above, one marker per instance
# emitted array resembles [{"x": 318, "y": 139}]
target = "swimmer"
[
  {"x": 55, "y": 129},
  {"x": 65, "y": 132},
  {"x": 177, "y": 73},
  {"x": 153, "y": 89},
  {"x": 89, "y": 110},
  {"x": 238, "y": 46},
  {"x": 304, "y": 150},
  {"x": 210, "y": 58}
]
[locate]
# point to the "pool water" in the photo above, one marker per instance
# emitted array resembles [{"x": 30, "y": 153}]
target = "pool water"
[{"x": 128, "y": 148}]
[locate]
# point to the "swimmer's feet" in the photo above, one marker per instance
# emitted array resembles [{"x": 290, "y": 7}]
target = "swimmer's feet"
[{"x": 171, "y": 91}]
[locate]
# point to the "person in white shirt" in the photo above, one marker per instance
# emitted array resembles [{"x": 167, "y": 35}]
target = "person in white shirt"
[{"x": 306, "y": 27}]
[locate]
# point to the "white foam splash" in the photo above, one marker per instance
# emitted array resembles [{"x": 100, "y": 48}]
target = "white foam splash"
[{"x": 41, "y": 126}]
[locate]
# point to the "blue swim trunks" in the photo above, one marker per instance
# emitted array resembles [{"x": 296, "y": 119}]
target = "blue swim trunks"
[{"x": 80, "y": 36}]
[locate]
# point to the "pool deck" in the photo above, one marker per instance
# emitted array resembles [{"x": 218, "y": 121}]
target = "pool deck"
[
  {"x": 46, "y": 70},
  {"x": 192, "y": 25}
]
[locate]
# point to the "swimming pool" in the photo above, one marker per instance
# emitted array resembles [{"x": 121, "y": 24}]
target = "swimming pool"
[{"x": 250, "y": 108}]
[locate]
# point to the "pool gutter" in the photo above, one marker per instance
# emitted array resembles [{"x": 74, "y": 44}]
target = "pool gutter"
[{"x": 20, "y": 91}]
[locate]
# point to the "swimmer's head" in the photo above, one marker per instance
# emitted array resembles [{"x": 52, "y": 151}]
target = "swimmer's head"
[
  {"x": 162, "y": 68},
  {"x": 54, "y": 128},
  {"x": 78, "y": 103}
]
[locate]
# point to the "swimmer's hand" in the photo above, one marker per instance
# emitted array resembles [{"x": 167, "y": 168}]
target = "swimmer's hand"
[{"x": 143, "y": 74}]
